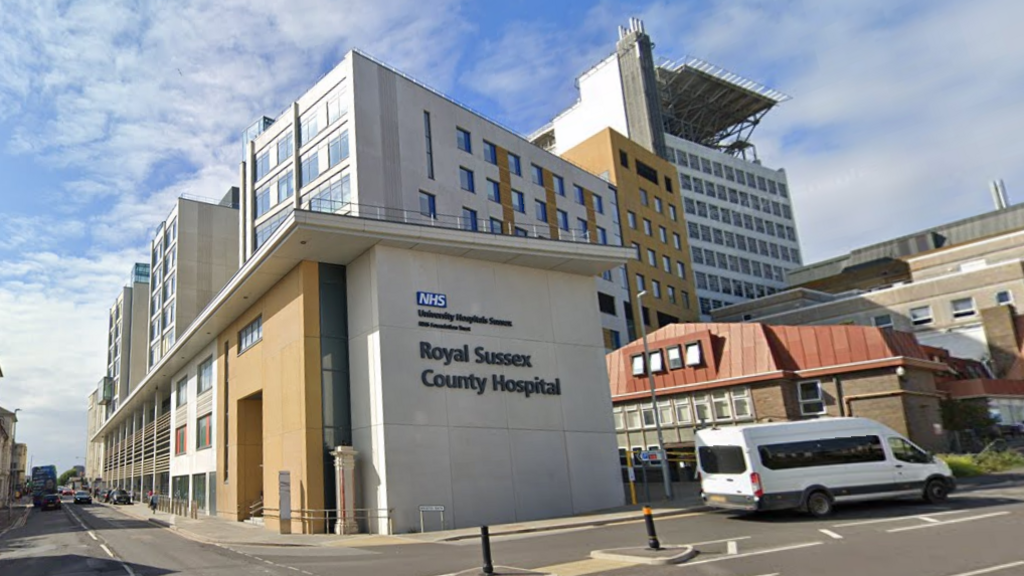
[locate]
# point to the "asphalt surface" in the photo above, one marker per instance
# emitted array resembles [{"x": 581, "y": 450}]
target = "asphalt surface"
[{"x": 973, "y": 534}]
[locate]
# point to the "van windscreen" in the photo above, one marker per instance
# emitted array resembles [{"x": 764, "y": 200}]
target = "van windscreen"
[{"x": 722, "y": 459}]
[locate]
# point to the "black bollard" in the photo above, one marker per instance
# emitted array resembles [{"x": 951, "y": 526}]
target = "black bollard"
[
  {"x": 652, "y": 536},
  {"x": 485, "y": 544}
]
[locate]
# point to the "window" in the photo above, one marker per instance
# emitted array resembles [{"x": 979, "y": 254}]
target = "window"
[
  {"x": 262, "y": 165},
  {"x": 463, "y": 139},
  {"x": 204, "y": 427},
  {"x": 493, "y": 191},
  {"x": 677, "y": 241},
  {"x": 882, "y": 321},
  {"x": 204, "y": 376},
  {"x": 640, "y": 284},
  {"x": 822, "y": 452},
  {"x": 721, "y": 405},
  {"x": 337, "y": 107},
  {"x": 310, "y": 167},
  {"x": 721, "y": 459},
  {"x": 563, "y": 219},
  {"x": 262, "y": 201},
  {"x": 606, "y": 303},
  {"x": 181, "y": 392},
  {"x": 741, "y": 403},
  {"x": 666, "y": 264},
  {"x": 663, "y": 234},
  {"x": 683, "y": 414},
  {"x": 646, "y": 172},
  {"x": 538, "y": 174},
  {"x": 657, "y": 363},
  {"x": 490, "y": 152},
  {"x": 602, "y": 236},
  {"x": 515, "y": 166},
  {"x": 559, "y": 184},
  {"x": 638, "y": 365},
  {"x": 309, "y": 127},
  {"x": 428, "y": 205},
  {"x": 598, "y": 204},
  {"x": 495, "y": 226},
  {"x": 469, "y": 221},
  {"x": 541, "y": 210},
  {"x": 811, "y": 400},
  {"x": 577, "y": 192},
  {"x": 647, "y": 227},
  {"x": 466, "y": 180},
  {"x": 631, "y": 219},
  {"x": 264, "y": 231},
  {"x": 620, "y": 422},
  {"x": 656, "y": 287},
  {"x": 963, "y": 307},
  {"x": 658, "y": 206},
  {"x": 181, "y": 440},
  {"x": 285, "y": 148},
  {"x": 518, "y": 202},
  {"x": 675, "y": 357},
  {"x": 285, "y": 186},
  {"x": 521, "y": 232},
  {"x": 693, "y": 354},
  {"x": 643, "y": 197},
  {"x": 672, "y": 212},
  {"x": 251, "y": 334},
  {"x": 907, "y": 452},
  {"x": 337, "y": 148},
  {"x": 681, "y": 270},
  {"x": 647, "y": 415},
  {"x": 430, "y": 145},
  {"x": 1004, "y": 297},
  {"x": 921, "y": 315},
  {"x": 623, "y": 159}
]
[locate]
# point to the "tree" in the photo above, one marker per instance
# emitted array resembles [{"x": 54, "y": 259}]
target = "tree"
[
  {"x": 63, "y": 480},
  {"x": 959, "y": 416}
]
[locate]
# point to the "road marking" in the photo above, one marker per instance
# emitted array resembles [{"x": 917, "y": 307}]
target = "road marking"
[
  {"x": 583, "y": 567},
  {"x": 756, "y": 553},
  {"x": 830, "y": 534},
  {"x": 930, "y": 519},
  {"x": 955, "y": 521},
  {"x": 92, "y": 535},
  {"x": 733, "y": 539},
  {"x": 990, "y": 570},
  {"x": 731, "y": 548},
  {"x": 107, "y": 550},
  {"x": 894, "y": 519}
]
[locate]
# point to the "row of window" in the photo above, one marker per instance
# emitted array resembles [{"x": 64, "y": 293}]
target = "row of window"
[
  {"x": 737, "y": 197},
  {"x": 641, "y": 285},
  {"x": 666, "y": 262},
  {"x": 729, "y": 287},
  {"x": 737, "y": 264},
  {"x": 731, "y": 174},
  {"x": 958, "y": 307},
  {"x": 204, "y": 435},
  {"x": 204, "y": 382},
  {"x": 725, "y": 405},
  {"x": 250, "y": 334},
  {"x": 163, "y": 243},
  {"x": 751, "y": 245},
  {"x": 659, "y": 206},
  {"x": 649, "y": 230},
  {"x": 265, "y": 229},
  {"x": 467, "y": 182},
  {"x": 734, "y": 218}
]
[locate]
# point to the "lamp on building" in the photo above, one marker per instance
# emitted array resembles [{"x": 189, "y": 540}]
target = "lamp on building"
[{"x": 654, "y": 398}]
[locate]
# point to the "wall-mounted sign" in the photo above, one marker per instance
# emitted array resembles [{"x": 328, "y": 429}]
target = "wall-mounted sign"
[
  {"x": 480, "y": 384},
  {"x": 453, "y": 320}
]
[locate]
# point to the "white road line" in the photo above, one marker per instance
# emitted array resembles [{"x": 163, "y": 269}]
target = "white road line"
[
  {"x": 830, "y": 534},
  {"x": 930, "y": 519},
  {"x": 733, "y": 539},
  {"x": 107, "y": 550},
  {"x": 92, "y": 535},
  {"x": 990, "y": 570},
  {"x": 731, "y": 548},
  {"x": 893, "y": 519},
  {"x": 755, "y": 553},
  {"x": 955, "y": 521}
]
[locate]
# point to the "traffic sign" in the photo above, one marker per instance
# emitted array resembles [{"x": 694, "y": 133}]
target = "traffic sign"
[
  {"x": 650, "y": 456},
  {"x": 431, "y": 508}
]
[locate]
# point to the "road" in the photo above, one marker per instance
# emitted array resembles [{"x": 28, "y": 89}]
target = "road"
[{"x": 973, "y": 534}]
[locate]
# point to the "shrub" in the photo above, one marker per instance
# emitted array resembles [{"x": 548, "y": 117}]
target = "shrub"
[
  {"x": 991, "y": 461},
  {"x": 962, "y": 465}
]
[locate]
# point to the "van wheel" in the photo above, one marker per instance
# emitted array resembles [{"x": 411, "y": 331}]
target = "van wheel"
[
  {"x": 819, "y": 504},
  {"x": 935, "y": 492}
]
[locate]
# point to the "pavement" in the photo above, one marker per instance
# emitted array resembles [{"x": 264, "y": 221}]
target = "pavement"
[{"x": 214, "y": 530}]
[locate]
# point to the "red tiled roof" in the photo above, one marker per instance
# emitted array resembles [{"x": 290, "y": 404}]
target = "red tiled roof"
[{"x": 750, "y": 352}]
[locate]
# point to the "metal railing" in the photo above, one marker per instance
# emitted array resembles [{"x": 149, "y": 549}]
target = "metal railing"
[
  {"x": 256, "y": 508},
  {"x": 177, "y": 506},
  {"x": 330, "y": 205},
  {"x": 323, "y": 521}
]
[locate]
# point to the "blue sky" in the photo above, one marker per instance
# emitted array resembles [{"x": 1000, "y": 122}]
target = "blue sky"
[{"x": 901, "y": 113}]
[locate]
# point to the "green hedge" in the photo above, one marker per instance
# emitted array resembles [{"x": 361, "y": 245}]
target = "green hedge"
[{"x": 966, "y": 465}]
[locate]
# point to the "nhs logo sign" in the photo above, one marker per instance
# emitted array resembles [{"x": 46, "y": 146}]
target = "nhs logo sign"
[{"x": 431, "y": 299}]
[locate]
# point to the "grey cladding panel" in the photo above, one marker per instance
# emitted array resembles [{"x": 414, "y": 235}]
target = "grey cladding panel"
[{"x": 392, "y": 162}]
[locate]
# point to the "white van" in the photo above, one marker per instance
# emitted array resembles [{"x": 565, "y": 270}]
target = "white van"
[{"x": 813, "y": 464}]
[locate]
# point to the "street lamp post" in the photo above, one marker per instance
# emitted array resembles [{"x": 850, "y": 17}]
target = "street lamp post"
[{"x": 654, "y": 399}]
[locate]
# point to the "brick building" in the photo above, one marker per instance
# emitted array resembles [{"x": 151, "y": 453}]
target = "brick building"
[{"x": 719, "y": 373}]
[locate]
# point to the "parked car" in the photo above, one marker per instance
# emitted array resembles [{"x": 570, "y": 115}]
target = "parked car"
[
  {"x": 83, "y": 497},
  {"x": 120, "y": 497},
  {"x": 67, "y": 492},
  {"x": 50, "y": 502},
  {"x": 811, "y": 465}
]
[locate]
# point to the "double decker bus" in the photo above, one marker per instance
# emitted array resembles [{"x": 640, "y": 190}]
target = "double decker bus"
[{"x": 44, "y": 481}]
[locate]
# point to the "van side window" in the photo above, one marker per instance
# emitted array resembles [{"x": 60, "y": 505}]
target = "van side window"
[
  {"x": 722, "y": 459},
  {"x": 907, "y": 452},
  {"x": 824, "y": 452}
]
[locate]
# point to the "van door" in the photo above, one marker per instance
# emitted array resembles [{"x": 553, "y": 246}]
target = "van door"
[
  {"x": 912, "y": 466},
  {"x": 724, "y": 471}
]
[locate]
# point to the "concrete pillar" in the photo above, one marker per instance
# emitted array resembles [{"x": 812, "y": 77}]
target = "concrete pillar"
[{"x": 345, "y": 479}]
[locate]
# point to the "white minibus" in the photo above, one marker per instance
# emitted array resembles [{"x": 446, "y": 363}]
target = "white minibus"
[{"x": 812, "y": 464}]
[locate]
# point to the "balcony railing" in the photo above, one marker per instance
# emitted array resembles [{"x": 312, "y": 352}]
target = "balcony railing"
[{"x": 331, "y": 205}]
